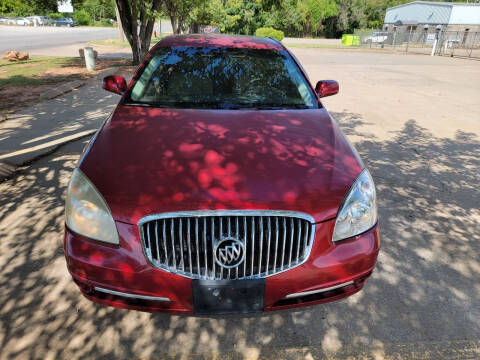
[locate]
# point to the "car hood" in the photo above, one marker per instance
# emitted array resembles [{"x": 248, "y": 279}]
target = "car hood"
[{"x": 147, "y": 161}]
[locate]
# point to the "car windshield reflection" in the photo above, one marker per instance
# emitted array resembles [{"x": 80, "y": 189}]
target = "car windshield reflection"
[{"x": 222, "y": 78}]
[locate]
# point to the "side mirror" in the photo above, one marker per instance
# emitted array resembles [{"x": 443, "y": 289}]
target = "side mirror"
[
  {"x": 115, "y": 84},
  {"x": 326, "y": 88}
]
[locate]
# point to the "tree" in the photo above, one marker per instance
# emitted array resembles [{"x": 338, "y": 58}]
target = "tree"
[
  {"x": 97, "y": 9},
  {"x": 315, "y": 11},
  {"x": 287, "y": 17},
  {"x": 28, "y": 7},
  {"x": 181, "y": 13},
  {"x": 138, "y": 18}
]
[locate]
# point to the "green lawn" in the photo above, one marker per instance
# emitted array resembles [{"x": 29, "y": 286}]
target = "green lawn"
[
  {"x": 23, "y": 82},
  {"x": 30, "y": 72}
]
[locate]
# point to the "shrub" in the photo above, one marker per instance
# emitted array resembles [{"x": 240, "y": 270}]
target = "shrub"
[
  {"x": 82, "y": 17},
  {"x": 105, "y": 22},
  {"x": 270, "y": 32},
  {"x": 54, "y": 16}
]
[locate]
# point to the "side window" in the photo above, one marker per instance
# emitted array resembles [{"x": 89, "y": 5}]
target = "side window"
[{"x": 299, "y": 64}]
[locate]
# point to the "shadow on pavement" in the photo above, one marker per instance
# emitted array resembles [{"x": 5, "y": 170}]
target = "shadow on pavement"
[
  {"x": 422, "y": 299},
  {"x": 78, "y": 111}
]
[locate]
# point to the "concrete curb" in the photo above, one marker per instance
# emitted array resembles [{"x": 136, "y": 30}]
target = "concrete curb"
[
  {"x": 107, "y": 72},
  {"x": 51, "y": 94},
  {"x": 6, "y": 170},
  {"x": 4, "y": 115},
  {"x": 70, "y": 86},
  {"x": 19, "y": 159},
  {"x": 65, "y": 88},
  {"x": 62, "y": 89},
  {"x": 45, "y": 147}
]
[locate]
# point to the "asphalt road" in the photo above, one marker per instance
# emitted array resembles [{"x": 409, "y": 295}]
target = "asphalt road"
[
  {"x": 32, "y": 39},
  {"x": 39, "y": 40},
  {"x": 415, "y": 121}
]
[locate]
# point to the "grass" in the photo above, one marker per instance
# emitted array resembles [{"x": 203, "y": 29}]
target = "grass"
[
  {"x": 118, "y": 43},
  {"x": 22, "y": 82},
  {"x": 341, "y": 47},
  {"x": 29, "y": 72},
  {"x": 110, "y": 42},
  {"x": 323, "y": 46}
]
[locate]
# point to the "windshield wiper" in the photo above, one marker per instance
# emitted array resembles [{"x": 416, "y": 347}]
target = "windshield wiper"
[
  {"x": 132, "y": 103},
  {"x": 178, "y": 104},
  {"x": 218, "y": 105},
  {"x": 260, "y": 106}
]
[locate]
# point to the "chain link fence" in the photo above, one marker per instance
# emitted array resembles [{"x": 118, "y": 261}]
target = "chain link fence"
[{"x": 446, "y": 43}]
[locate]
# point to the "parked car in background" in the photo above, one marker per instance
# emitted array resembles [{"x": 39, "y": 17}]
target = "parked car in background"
[
  {"x": 39, "y": 20},
  {"x": 69, "y": 22},
  {"x": 23, "y": 21},
  {"x": 376, "y": 38}
]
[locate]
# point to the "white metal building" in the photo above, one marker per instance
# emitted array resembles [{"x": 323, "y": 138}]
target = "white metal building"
[{"x": 419, "y": 15}]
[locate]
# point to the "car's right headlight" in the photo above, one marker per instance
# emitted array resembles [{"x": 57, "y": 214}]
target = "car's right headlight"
[
  {"x": 358, "y": 213},
  {"x": 86, "y": 212}
]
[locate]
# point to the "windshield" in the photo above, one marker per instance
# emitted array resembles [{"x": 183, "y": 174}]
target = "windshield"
[{"x": 222, "y": 78}]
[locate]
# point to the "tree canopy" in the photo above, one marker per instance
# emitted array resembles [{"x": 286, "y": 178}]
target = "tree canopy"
[
  {"x": 330, "y": 18},
  {"x": 28, "y": 7},
  {"x": 137, "y": 20}
]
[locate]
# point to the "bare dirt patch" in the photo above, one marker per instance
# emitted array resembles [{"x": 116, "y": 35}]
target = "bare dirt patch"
[
  {"x": 23, "y": 90},
  {"x": 11, "y": 96}
]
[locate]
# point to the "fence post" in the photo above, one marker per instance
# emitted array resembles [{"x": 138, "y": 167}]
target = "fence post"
[
  {"x": 437, "y": 42},
  {"x": 425, "y": 37},
  {"x": 409, "y": 39},
  {"x": 473, "y": 44},
  {"x": 453, "y": 45},
  {"x": 394, "y": 37},
  {"x": 434, "y": 46}
]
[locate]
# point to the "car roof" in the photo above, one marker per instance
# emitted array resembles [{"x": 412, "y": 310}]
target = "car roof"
[{"x": 219, "y": 40}]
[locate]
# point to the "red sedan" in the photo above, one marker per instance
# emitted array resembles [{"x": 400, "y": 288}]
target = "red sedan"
[{"x": 220, "y": 184}]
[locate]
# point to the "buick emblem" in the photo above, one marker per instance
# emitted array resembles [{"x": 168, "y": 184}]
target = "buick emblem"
[{"x": 229, "y": 253}]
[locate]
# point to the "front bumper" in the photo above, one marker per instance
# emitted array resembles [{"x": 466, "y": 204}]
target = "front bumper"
[{"x": 121, "y": 276}]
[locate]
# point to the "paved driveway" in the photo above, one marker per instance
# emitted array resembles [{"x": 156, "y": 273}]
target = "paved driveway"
[{"x": 416, "y": 122}]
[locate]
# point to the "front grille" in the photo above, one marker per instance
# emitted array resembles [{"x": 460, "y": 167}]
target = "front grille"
[{"x": 263, "y": 243}]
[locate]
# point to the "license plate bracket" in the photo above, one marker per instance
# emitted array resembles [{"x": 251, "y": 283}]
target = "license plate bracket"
[{"x": 228, "y": 296}]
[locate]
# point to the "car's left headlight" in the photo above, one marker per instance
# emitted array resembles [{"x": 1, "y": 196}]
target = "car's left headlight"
[
  {"x": 86, "y": 212},
  {"x": 358, "y": 213}
]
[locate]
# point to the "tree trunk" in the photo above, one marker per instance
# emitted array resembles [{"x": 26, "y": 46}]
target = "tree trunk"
[
  {"x": 177, "y": 16},
  {"x": 175, "y": 20},
  {"x": 119, "y": 24},
  {"x": 181, "y": 24},
  {"x": 139, "y": 39}
]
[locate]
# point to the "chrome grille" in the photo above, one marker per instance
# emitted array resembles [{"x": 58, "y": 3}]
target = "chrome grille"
[{"x": 185, "y": 242}]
